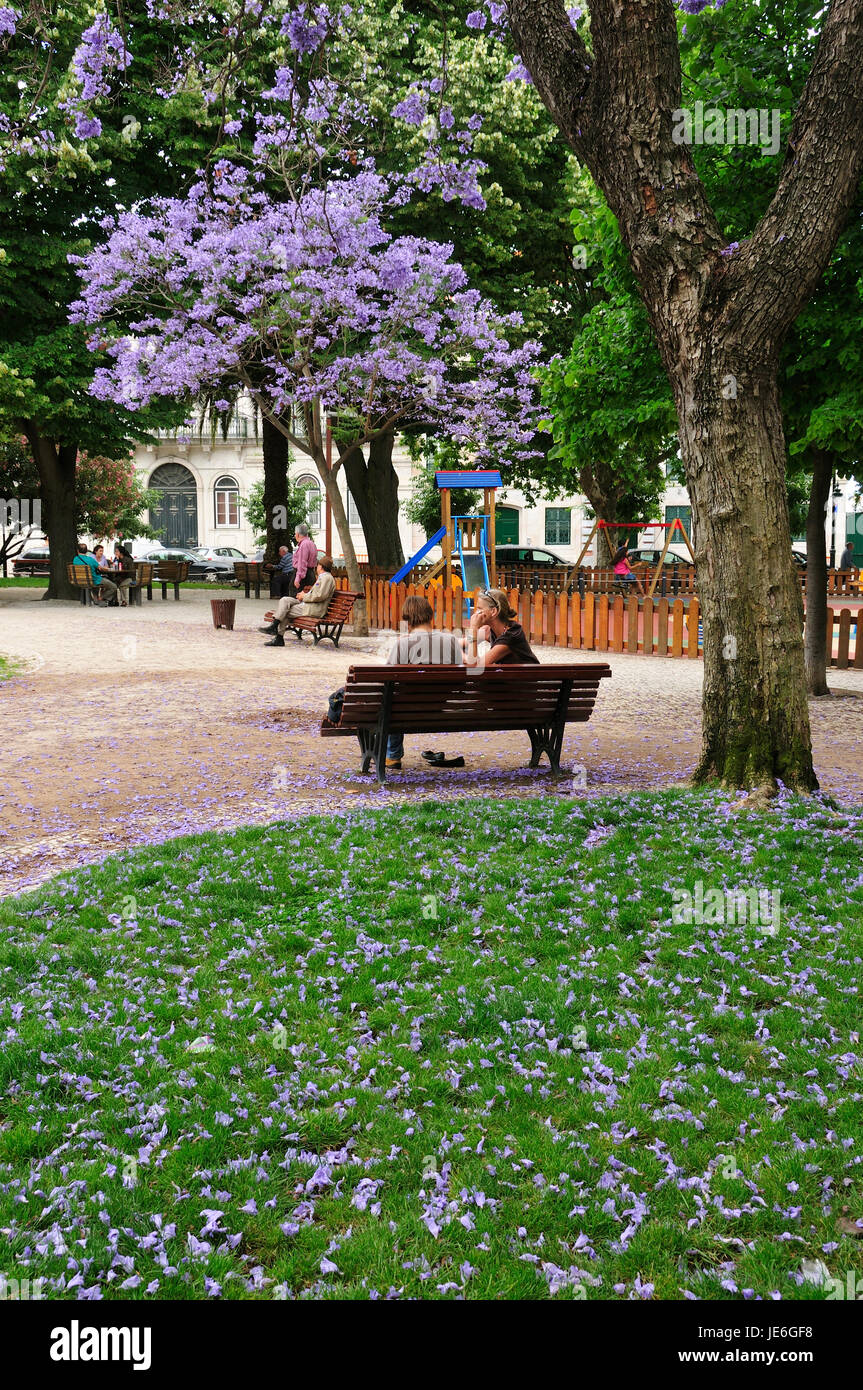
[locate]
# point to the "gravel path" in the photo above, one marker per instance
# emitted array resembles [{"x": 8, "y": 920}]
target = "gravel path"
[{"x": 133, "y": 725}]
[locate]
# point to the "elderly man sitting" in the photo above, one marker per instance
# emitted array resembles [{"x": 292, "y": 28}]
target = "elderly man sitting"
[{"x": 311, "y": 603}]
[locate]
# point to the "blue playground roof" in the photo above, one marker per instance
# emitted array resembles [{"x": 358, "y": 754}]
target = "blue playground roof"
[{"x": 478, "y": 478}]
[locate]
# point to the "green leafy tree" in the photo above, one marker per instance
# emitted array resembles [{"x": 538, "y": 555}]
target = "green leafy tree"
[{"x": 294, "y": 509}]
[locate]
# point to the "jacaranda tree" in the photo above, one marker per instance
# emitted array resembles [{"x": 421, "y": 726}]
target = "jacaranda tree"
[{"x": 314, "y": 309}]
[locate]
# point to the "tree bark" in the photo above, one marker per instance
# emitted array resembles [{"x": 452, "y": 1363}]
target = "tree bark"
[
  {"x": 754, "y": 708},
  {"x": 56, "y": 464},
  {"x": 719, "y": 314},
  {"x": 277, "y": 453},
  {"x": 374, "y": 487},
  {"x": 816, "y": 572}
]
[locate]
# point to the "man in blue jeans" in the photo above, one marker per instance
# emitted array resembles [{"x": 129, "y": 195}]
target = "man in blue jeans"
[{"x": 419, "y": 646}]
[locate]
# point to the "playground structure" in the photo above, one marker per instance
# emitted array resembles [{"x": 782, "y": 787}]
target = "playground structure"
[
  {"x": 469, "y": 537},
  {"x": 669, "y": 527}
]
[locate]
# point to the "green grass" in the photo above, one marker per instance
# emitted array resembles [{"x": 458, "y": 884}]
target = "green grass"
[{"x": 458, "y": 1047}]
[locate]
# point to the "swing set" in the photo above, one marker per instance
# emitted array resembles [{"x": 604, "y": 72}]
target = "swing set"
[{"x": 671, "y": 528}]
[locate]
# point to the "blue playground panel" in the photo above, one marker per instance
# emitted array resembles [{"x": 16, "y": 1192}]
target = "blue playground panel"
[
  {"x": 479, "y": 478},
  {"x": 420, "y": 555}
]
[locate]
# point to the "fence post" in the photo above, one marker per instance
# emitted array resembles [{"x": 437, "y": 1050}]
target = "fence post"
[
  {"x": 677, "y": 628},
  {"x": 575, "y": 620},
  {"x": 590, "y": 621},
  {"x": 647, "y": 627},
  {"x": 633, "y": 613},
  {"x": 562, "y": 619},
  {"x": 618, "y": 612},
  {"x": 844, "y": 639},
  {"x": 692, "y": 624},
  {"x": 602, "y": 624}
]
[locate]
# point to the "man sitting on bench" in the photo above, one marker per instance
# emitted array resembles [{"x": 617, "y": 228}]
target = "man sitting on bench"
[
  {"x": 421, "y": 646},
  {"x": 311, "y": 603}
]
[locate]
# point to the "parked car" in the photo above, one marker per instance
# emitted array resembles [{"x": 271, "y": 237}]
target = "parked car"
[
  {"x": 35, "y": 558},
  {"x": 528, "y": 556},
  {"x": 799, "y": 557},
  {"x": 220, "y": 552},
  {"x": 199, "y": 567},
  {"x": 680, "y": 556}
]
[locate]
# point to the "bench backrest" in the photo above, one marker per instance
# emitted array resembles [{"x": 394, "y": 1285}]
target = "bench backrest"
[
  {"x": 339, "y": 610},
  {"x": 432, "y": 699},
  {"x": 144, "y": 571},
  {"x": 341, "y": 605},
  {"x": 246, "y": 569},
  {"x": 174, "y": 571},
  {"x": 81, "y": 575}
]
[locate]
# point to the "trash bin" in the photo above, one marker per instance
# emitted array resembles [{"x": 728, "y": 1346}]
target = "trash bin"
[{"x": 223, "y": 612}]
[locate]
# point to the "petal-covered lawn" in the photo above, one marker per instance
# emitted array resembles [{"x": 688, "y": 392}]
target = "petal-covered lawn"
[{"x": 442, "y": 1051}]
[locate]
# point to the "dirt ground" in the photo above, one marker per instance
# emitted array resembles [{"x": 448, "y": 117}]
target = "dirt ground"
[{"x": 133, "y": 725}]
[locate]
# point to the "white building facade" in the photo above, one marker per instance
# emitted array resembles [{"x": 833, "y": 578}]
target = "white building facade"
[{"x": 202, "y": 480}]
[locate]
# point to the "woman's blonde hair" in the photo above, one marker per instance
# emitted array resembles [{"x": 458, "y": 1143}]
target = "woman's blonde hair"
[{"x": 497, "y": 600}]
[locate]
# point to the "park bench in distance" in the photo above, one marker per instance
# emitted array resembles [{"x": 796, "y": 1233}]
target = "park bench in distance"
[
  {"x": 331, "y": 624},
  {"x": 383, "y": 700},
  {"x": 83, "y": 578},
  {"x": 174, "y": 572},
  {"x": 248, "y": 573}
]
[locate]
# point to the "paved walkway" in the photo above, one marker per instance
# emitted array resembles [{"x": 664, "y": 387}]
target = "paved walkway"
[{"x": 133, "y": 725}]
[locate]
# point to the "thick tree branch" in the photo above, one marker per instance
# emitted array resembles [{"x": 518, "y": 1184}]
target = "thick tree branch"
[{"x": 792, "y": 243}]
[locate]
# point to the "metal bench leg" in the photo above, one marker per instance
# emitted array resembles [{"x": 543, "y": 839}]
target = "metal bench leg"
[{"x": 367, "y": 748}]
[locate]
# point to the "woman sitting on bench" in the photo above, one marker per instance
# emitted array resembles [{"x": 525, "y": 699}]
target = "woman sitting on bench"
[{"x": 495, "y": 621}]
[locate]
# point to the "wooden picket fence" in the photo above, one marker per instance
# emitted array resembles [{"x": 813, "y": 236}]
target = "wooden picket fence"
[{"x": 596, "y": 622}]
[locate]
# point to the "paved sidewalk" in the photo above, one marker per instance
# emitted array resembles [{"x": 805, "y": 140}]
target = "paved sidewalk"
[{"x": 133, "y": 725}]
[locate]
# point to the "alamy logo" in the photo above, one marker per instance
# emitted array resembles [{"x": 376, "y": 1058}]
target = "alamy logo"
[
  {"x": 718, "y": 127},
  {"x": 757, "y": 907},
  {"x": 77, "y": 1343}
]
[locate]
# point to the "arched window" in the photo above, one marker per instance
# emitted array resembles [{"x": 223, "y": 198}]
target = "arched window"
[
  {"x": 312, "y": 488},
  {"x": 227, "y": 494}
]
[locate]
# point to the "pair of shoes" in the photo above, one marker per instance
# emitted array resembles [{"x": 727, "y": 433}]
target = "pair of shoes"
[
  {"x": 394, "y": 764},
  {"x": 271, "y": 631},
  {"x": 276, "y": 642},
  {"x": 441, "y": 760}
]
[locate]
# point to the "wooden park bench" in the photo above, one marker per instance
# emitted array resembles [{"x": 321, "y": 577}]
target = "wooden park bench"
[
  {"x": 383, "y": 700},
  {"x": 144, "y": 572},
  {"x": 331, "y": 624},
  {"x": 83, "y": 578},
  {"x": 248, "y": 573},
  {"x": 174, "y": 572}
]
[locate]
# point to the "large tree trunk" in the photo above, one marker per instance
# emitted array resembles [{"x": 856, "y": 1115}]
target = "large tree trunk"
[
  {"x": 56, "y": 464},
  {"x": 374, "y": 487},
  {"x": 277, "y": 454},
  {"x": 719, "y": 314},
  {"x": 816, "y": 572},
  {"x": 755, "y": 716}
]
